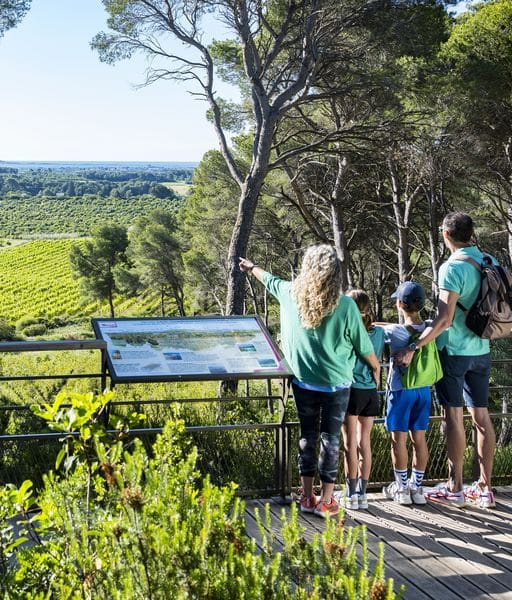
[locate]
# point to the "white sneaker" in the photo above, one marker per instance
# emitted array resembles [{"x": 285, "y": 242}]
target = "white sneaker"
[
  {"x": 401, "y": 495},
  {"x": 474, "y": 494},
  {"x": 417, "y": 495},
  {"x": 442, "y": 495},
  {"x": 363, "y": 501},
  {"x": 351, "y": 502}
]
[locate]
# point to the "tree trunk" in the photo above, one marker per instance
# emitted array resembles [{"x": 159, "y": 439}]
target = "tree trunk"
[
  {"x": 402, "y": 226},
  {"x": 111, "y": 303},
  {"x": 250, "y": 192},
  {"x": 509, "y": 230},
  {"x": 238, "y": 248},
  {"x": 433, "y": 240},
  {"x": 340, "y": 243}
]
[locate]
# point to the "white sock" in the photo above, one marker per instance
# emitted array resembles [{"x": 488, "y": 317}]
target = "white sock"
[
  {"x": 417, "y": 477},
  {"x": 401, "y": 477}
]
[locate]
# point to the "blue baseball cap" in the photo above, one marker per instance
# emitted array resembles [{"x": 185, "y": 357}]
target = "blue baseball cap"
[{"x": 410, "y": 293}]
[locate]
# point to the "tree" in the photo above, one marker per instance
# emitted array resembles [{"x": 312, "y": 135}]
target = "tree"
[
  {"x": 11, "y": 13},
  {"x": 478, "y": 62},
  {"x": 279, "y": 50},
  {"x": 96, "y": 262},
  {"x": 156, "y": 252},
  {"x": 331, "y": 186}
]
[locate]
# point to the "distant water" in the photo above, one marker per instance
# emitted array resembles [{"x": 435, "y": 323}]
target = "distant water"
[{"x": 76, "y": 165}]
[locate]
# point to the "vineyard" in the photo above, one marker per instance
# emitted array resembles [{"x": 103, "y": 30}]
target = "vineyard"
[
  {"x": 37, "y": 281},
  {"x": 35, "y": 217}
]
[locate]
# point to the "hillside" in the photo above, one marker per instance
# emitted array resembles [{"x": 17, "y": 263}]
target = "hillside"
[{"x": 37, "y": 281}]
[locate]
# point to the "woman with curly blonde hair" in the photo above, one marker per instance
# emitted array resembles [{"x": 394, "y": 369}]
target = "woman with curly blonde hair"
[
  {"x": 322, "y": 333},
  {"x": 317, "y": 288}
]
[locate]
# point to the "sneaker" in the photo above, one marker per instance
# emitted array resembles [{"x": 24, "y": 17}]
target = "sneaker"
[
  {"x": 327, "y": 510},
  {"x": 308, "y": 505},
  {"x": 417, "y": 495},
  {"x": 351, "y": 502},
  {"x": 441, "y": 494},
  {"x": 397, "y": 494},
  {"x": 477, "y": 496},
  {"x": 363, "y": 501}
]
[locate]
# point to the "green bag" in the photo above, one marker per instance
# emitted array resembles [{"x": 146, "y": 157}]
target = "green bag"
[{"x": 425, "y": 367}]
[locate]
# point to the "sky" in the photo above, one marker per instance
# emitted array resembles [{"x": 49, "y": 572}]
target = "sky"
[{"x": 59, "y": 102}]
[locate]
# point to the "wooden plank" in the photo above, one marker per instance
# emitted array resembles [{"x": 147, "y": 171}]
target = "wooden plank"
[
  {"x": 466, "y": 557},
  {"x": 314, "y": 525},
  {"x": 487, "y": 522},
  {"x": 435, "y": 551},
  {"x": 414, "y": 547}
]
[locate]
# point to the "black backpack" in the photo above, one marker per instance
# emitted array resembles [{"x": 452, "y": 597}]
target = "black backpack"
[{"x": 490, "y": 317}]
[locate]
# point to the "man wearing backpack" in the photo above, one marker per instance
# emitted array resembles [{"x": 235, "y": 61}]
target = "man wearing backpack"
[{"x": 466, "y": 362}]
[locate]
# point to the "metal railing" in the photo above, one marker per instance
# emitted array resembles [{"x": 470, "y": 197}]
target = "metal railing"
[{"x": 259, "y": 455}]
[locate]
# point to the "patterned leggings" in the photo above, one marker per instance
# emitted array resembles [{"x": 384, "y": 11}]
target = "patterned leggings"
[{"x": 321, "y": 415}]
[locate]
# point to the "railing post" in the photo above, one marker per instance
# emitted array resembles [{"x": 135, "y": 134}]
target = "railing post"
[
  {"x": 475, "y": 463},
  {"x": 281, "y": 448}
]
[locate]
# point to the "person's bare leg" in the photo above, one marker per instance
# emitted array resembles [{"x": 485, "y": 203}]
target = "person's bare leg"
[
  {"x": 399, "y": 450},
  {"x": 326, "y": 493},
  {"x": 486, "y": 444},
  {"x": 307, "y": 486},
  {"x": 419, "y": 450},
  {"x": 364, "y": 446},
  {"x": 455, "y": 445},
  {"x": 349, "y": 430}
]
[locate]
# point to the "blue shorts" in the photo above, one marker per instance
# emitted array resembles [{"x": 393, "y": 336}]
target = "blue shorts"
[
  {"x": 408, "y": 410},
  {"x": 465, "y": 381}
]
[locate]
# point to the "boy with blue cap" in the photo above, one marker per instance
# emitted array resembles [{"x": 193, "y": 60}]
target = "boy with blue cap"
[{"x": 408, "y": 410}]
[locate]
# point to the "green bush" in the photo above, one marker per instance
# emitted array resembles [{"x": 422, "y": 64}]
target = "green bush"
[
  {"x": 7, "y": 331},
  {"x": 26, "y": 322},
  {"x": 118, "y": 523},
  {"x": 36, "y": 329}
]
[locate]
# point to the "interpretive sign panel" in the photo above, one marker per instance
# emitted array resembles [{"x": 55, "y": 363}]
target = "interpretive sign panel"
[{"x": 189, "y": 348}]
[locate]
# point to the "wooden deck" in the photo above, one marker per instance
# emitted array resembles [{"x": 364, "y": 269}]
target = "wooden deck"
[{"x": 437, "y": 552}]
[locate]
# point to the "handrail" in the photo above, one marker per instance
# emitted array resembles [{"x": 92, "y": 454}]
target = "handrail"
[
  {"x": 43, "y": 346},
  {"x": 282, "y": 427}
]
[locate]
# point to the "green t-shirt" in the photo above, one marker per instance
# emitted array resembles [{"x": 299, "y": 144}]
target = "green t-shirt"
[
  {"x": 324, "y": 356},
  {"x": 363, "y": 374},
  {"x": 462, "y": 277}
]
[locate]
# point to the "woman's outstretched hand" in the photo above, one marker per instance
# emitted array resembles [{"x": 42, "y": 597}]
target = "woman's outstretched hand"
[{"x": 246, "y": 265}]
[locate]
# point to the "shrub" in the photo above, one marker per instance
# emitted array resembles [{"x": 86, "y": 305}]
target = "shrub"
[
  {"x": 7, "y": 331},
  {"x": 121, "y": 524},
  {"x": 26, "y": 322},
  {"x": 36, "y": 329}
]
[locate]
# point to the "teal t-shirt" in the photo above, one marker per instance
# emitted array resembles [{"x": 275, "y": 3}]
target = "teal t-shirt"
[
  {"x": 462, "y": 277},
  {"x": 363, "y": 375},
  {"x": 324, "y": 356}
]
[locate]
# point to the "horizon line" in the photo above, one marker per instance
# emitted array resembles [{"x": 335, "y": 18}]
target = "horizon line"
[{"x": 95, "y": 161}]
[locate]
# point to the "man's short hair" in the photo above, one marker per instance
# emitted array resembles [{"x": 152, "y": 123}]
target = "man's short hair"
[{"x": 459, "y": 226}]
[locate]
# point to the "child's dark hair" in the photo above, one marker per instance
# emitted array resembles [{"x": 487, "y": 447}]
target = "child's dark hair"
[
  {"x": 362, "y": 300},
  {"x": 414, "y": 307}
]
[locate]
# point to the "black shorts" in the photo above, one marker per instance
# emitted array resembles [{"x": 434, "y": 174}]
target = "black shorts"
[{"x": 363, "y": 403}]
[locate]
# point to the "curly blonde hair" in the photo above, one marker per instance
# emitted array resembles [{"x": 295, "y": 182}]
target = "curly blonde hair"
[
  {"x": 317, "y": 288},
  {"x": 362, "y": 300}
]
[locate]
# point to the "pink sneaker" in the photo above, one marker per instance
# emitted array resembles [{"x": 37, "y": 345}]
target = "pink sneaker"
[
  {"x": 327, "y": 510},
  {"x": 442, "y": 495},
  {"x": 308, "y": 505},
  {"x": 476, "y": 495}
]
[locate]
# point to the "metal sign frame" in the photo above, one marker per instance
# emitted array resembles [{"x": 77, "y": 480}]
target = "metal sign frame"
[{"x": 147, "y": 337}]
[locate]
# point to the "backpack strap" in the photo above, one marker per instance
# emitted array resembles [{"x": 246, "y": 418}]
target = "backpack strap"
[
  {"x": 477, "y": 266},
  {"x": 413, "y": 333},
  {"x": 505, "y": 280}
]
